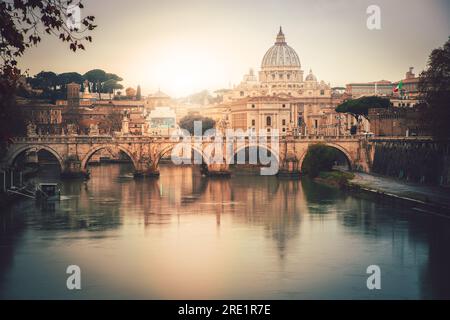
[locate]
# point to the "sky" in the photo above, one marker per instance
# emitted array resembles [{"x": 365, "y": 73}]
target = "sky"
[{"x": 182, "y": 47}]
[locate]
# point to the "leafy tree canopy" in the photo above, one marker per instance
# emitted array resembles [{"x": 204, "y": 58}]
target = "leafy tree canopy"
[
  {"x": 138, "y": 93},
  {"x": 110, "y": 85},
  {"x": 360, "y": 107},
  {"x": 96, "y": 76},
  {"x": 434, "y": 87},
  {"x": 24, "y": 21},
  {"x": 45, "y": 80},
  {"x": 69, "y": 77},
  {"x": 113, "y": 76},
  {"x": 187, "y": 122}
]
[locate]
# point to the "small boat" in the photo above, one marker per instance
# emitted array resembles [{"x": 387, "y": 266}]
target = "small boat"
[{"x": 48, "y": 192}]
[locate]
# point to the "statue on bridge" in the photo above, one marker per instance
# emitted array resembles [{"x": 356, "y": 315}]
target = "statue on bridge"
[
  {"x": 125, "y": 124},
  {"x": 93, "y": 130},
  {"x": 222, "y": 125},
  {"x": 71, "y": 129},
  {"x": 31, "y": 130}
]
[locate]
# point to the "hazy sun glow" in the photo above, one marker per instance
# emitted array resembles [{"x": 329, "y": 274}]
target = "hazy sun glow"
[{"x": 179, "y": 68}]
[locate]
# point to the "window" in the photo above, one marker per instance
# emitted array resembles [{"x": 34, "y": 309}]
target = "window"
[
  {"x": 283, "y": 122},
  {"x": 284, "y": 130},
  {"x": 253, "y": 122},
  {"x": 241, "y": 93},
  {"x": 315, "y": 124},
  {"x": 253, "y": 106},
  {"x": 268, "y": 121},
  {"x": 284, "y": 106},
  {"x": 322, "y": 92}
]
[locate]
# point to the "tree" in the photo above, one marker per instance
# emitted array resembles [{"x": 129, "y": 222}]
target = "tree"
[
  {"x": 96, "y": 77},
  {"x": 319, "y": 158},
  {"x": 110, "y": 86},
  {"x": 138, "y": 93},
  {"x": 21, "y": 25},
  {"x": 130, "y": 92},
  {"x": 187, "y": 122},
  {"x": 360, "y": 107},
  {"x": 69, "y": 77},
  {"x": 45, "y": 80},
  {"x": 434, "y": 88},
  {"x": 113, "y": 76},
  {"x": 65, "y": 78}
]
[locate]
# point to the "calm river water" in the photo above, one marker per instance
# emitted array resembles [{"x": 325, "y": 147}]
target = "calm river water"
[{"x": 185, "y": 237}]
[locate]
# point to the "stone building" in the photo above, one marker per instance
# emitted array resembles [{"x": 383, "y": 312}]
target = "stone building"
[
  {"x": 85, "y": 110},
  {"x": 264, "y": 113},
  {"x": 161, "y": 121},
  {"x": 409, "y": 95},
  {"x": 157, "y": 99},
  {"x": 280, "y": 74},
  {"x": 376, "y": 88},
  {"x": 45, "y": 116},
  {"x": 282, "y": 98},
  {"x": 397, "y": 121}
]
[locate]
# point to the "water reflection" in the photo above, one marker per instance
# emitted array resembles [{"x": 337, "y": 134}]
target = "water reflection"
[{"x": 185, "y": 236}]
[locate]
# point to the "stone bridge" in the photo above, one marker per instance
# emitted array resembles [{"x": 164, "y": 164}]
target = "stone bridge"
[{"x": 74, "y": 152}]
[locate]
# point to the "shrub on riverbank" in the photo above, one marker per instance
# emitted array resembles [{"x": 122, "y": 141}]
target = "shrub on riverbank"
[{"x": 335, "y": 178}]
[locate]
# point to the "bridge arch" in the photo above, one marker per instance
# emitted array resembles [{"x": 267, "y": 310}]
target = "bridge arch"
[
  {"x": 165, "y": 150},
  {"x": 350, "y": 160},
  {"x": 13, "y": 156},
  {"x": 257, "y": 145},
  {"x": 93, "y": 150}
]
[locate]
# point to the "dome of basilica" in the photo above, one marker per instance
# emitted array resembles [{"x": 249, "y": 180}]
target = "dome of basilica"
[
  {"x": 310, "y": 76},
  {"x": 280, "y": 55}
]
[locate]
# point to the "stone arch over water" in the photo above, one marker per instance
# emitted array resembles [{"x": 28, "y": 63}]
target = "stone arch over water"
[
  {"x": 11, "y": 158},
  {"x": 345, "y": 152},
  {"x": 93, "y": 150}
]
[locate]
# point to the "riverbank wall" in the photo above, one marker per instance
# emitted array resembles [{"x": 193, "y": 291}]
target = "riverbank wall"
[{"x": 420, "y": 160}]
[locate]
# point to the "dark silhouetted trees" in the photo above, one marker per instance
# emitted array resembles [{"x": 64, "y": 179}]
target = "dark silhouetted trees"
[
  {"x": 434, "y": 87},
  {"x": 187, "y": 122},
  {"x": 360, "y": 107}
]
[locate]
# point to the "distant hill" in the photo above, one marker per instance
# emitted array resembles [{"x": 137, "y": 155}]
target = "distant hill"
[{"x": 200, "y": 98}]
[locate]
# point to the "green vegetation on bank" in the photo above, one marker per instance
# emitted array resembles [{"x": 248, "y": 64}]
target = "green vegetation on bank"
[
  {"x": 318, "y": 165},
  {"x": 335, "y": 178},
  {"x": 319, "y": 158}
]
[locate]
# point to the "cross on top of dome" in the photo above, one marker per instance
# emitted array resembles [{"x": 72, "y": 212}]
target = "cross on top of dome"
[{"x": 280, "y": 37}]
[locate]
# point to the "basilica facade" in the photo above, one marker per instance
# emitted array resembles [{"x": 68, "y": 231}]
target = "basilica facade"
[{"x": 282, "y": 98}]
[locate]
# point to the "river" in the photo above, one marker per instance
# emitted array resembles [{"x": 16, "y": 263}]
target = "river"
[{"x": 184, "y": 236}]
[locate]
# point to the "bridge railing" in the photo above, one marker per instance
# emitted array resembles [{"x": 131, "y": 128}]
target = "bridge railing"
[
  {"x": 402, "y": 138},
  {"x": 167, "y": 138}
]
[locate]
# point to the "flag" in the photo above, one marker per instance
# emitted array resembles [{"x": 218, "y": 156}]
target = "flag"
[{"x": 399, "y": 86}]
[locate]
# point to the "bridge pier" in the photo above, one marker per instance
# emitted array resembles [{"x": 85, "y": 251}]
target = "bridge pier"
[
  {"x": 289, "y": 168},
  {"x": 146, "y": 173},
  {"x": 146, "y": 168},
  {"x": 72, "y": 168},
  {"x": 218, "y": 170}
]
